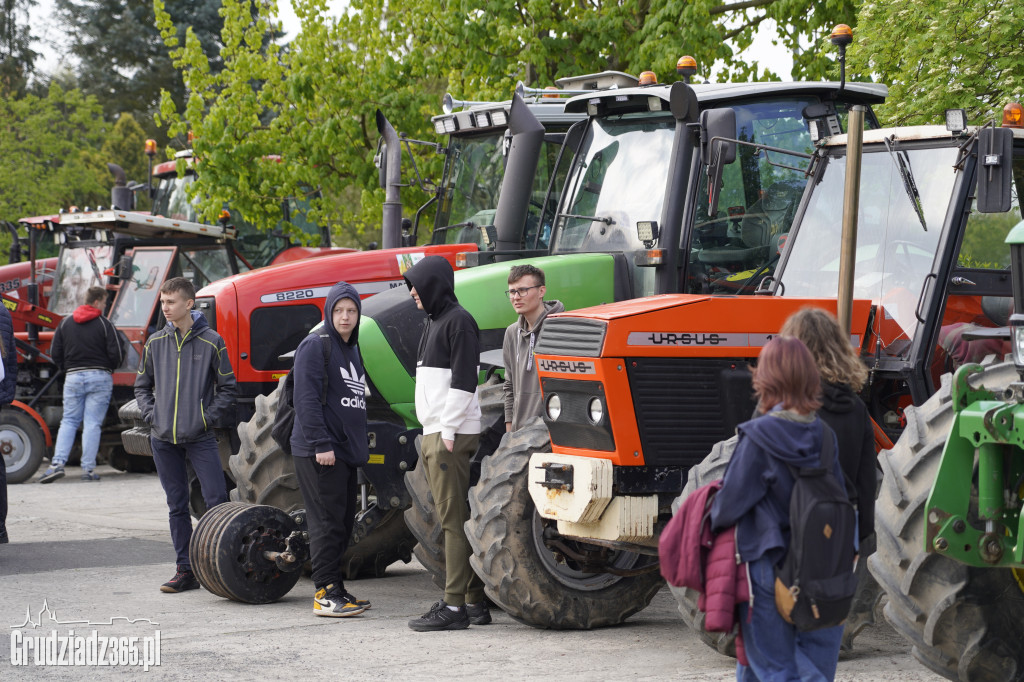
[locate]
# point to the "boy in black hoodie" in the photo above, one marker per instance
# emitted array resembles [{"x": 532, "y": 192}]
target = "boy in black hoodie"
[
  {"x": 446, "y": 405},
  {"x": 329, "y": 443}
]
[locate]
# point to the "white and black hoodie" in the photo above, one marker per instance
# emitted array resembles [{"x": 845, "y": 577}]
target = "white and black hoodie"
[{"x": 448, "y": 360}]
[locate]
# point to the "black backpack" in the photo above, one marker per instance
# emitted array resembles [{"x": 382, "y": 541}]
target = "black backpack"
[
  {"x": 284, "y": 418},
  {"x": 815, "y": 583}
]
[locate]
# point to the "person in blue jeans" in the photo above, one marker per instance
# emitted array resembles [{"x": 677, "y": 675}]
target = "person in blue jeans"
[
  {"x": 185, "y": 386},
  {"x": 755, "y": 497},
  {"x": 86, "y": 347}
]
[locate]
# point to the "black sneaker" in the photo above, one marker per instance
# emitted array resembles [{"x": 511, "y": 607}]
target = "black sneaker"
[
  {"x": 440, "y": 617},
  {"x": 183, "y": 580},
  {"x": 479, "y": 614},
  {"x": 3, "y": 535}
]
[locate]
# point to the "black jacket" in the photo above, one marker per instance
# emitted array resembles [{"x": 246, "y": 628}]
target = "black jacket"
[
  {"x": 91, "y": 344},
  {"x": 846, "y": 414},
  {"x": 10, "y": 355},
  {"x": 340, "y": 424},
  {"x": 185, "y": 386},
  {"x": 447, "y": 364}
]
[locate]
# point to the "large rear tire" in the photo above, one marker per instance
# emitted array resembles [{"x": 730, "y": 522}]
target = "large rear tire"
[
  {"x": 520, "y": 573},
  {"x": 265, "y": 475},
  {"x": 862, "y": 612},
  {"x": 963, "y": 622},
  {"x": 22, "y": 444}
]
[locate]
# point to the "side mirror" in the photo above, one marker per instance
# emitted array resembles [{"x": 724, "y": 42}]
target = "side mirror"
[
  {"x": 717, "y": 149},
  {"x": 995, "y": 170},
  {"x": 125, "y": 268}
]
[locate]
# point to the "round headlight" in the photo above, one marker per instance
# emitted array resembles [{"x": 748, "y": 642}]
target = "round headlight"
[
  {"x": 595, "y": 408},
  {"x": 554, "y": 406}
]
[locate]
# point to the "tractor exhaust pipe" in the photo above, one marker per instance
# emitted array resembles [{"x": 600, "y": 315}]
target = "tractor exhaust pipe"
[
  {"x": 389, "y": 161},
  {"x": 520, "y": 167}
]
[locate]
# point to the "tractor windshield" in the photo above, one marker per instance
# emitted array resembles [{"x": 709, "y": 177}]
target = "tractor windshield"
[
  {"x": 78, "y": 268},
  {"x": 473, "y": 171},
  {"x": 899, "y": 227}
]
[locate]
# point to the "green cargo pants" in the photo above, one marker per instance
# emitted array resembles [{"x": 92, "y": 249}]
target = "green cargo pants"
[{"x": 448, "y": 478}]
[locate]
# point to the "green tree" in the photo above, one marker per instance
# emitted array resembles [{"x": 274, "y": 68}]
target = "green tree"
[
  {"x": 47, "y": 154},
  {"x": 121, "y": 58},
  {"x": 941, "y": 54},
  {"x": 17, "y": 58}
]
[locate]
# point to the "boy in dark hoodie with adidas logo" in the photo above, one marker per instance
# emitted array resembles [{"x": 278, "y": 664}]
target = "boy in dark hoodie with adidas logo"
[
  {"x": 329, "y": 443},
  {"x": 447, "y": 366}
]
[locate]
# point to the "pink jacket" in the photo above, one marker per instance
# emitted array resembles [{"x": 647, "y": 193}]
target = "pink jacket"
[{"x": 691, "y": 556}]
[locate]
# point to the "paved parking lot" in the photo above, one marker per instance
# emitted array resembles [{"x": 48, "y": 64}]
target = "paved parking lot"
[{"x": 96, "y": 553}]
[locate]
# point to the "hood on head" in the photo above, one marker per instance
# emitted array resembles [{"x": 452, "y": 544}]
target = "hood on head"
[
  {"x": 434, "y": 281},
  {"x": 339, "y": 291}
]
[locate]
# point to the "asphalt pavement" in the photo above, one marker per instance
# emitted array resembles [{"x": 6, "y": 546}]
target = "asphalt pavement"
[{"x": 86, "y": 559}]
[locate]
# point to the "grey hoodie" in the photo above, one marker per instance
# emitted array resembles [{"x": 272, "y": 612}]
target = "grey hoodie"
[{"x": 522, "y": 387}]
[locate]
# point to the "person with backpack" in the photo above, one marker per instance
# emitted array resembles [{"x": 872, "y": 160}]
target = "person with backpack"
[
  {"x": 328, "y": 444},
  {"x": 758, "y": 489}
]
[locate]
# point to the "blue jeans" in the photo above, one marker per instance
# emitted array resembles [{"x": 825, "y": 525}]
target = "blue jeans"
[
  {"x": 776, "y": 650},
  {"x": 173, "y": 473},
  {"x": 86, "y": 394}
]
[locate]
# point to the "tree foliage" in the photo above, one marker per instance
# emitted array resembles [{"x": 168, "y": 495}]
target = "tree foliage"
[
  {"x": 942, "y": 54},
  {"x": 17, "y": 58},
  {"x": 48, "y": 153},
  {"x": 121, "y": 58}
]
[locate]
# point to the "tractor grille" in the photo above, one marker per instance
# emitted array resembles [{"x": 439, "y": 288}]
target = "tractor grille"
[
  {"x": 686, "y": 405},
  {"x": 571, "y": 336}
]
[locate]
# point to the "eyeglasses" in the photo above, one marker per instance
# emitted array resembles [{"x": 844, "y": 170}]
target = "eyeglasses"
[{"x": 521, "y": 291}]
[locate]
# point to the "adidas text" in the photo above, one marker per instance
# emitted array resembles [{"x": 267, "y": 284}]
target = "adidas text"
[{"x": 354, "y": 402}]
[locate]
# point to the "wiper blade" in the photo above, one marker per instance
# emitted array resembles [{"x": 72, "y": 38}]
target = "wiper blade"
[
  {"x": 902, "y": 162},
  {"x": 595, "y": 218}
]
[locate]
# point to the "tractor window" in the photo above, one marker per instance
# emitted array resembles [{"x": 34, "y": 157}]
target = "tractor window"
[
  {"x": 139, "y": 295},
  {"x": 78, "y": 269},
  {"x": 547, "y": 166},
  {"x": 278, "y": 330},
  {"x": 473, "y": 171},
  {"x": 172, "y": 199},
  {"x": 895, "y": 242},
  {"x": 733, "y": 251},
  {"x": 203, "y": 266}
]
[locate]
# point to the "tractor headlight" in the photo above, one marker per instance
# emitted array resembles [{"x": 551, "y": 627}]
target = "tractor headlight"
[
  {"x": 554, "y": 406},
  {"x": 1017, "y": 327},
  {"x": 595, "y": 410}
]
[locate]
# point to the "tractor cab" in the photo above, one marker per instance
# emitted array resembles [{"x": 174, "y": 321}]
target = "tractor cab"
[{"x": 629, "y": 188}]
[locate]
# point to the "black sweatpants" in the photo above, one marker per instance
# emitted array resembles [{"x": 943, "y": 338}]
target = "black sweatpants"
[{"x": 331, "y": 497}]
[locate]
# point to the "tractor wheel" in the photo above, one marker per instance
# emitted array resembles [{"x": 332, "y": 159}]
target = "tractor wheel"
[
  {"x": 228, "y": 552},
  {"x": 963, "y": 622},
  {"x": 420, "y": 517},
  {"x": 862, "y": 612},
  {"x": 520, "y": 573},
  {"x": 22, "y": 444},
  {"x": 265, "y": 475}
]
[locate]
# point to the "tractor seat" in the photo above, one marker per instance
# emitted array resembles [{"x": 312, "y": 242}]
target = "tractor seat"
[{"x": 749, "y": 247}]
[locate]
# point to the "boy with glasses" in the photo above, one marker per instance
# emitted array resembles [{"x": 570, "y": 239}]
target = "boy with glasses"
[{"x": 522, "y": 387}]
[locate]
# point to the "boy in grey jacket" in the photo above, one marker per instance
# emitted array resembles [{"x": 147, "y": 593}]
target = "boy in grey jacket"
[
  {"x": 185, "y": 386},
  {"x": 526, "y": 291}
]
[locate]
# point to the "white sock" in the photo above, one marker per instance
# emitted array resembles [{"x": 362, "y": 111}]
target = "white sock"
[{"x": 452, "y": 608}]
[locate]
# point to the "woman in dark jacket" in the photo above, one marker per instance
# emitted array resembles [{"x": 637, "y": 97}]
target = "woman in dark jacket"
[
  {"x": 842, "y": 375},
  {"x": 755, "y": 498}
]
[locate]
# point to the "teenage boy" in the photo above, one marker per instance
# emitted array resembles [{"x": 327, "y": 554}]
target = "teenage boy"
[
  {"x": 522, "y": 387},
  {"x": 184, "y": 387},
  {"x": 446, "y": 405},
  {"x": 329, "y": 442},
  {"x": 86, "y": 347}
]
